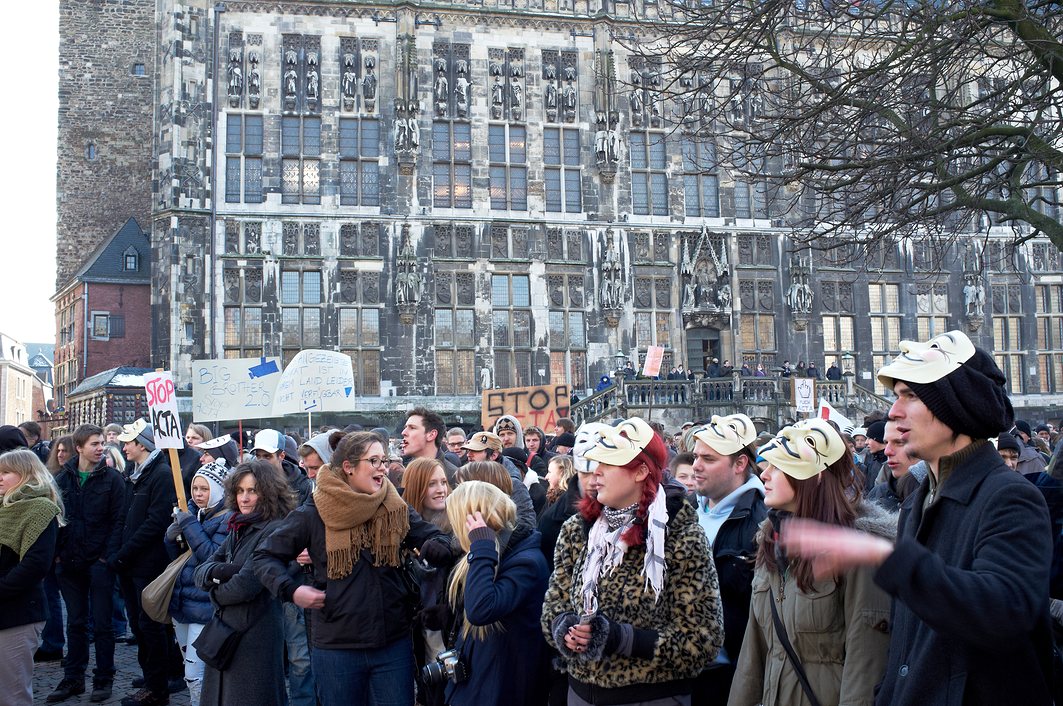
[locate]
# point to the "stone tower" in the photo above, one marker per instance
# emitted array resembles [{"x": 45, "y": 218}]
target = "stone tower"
[{"x": 106, "y": 64}]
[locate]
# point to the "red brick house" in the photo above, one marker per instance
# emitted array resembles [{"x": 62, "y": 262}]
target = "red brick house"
[{"x": 103, "y": 313}]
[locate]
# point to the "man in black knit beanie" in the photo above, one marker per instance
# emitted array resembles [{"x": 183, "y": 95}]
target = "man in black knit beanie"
[{"x": 969, "y": 571}]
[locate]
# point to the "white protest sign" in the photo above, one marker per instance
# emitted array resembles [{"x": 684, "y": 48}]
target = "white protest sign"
[
  {"x": 804, "y": 392},
  {"x": 234, "y": 389},
  {"x": 162, "y": 401},
  {"x": 315, "y": 381}
]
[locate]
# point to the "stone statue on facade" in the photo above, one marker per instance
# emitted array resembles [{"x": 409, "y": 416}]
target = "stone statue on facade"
[
  {"x": 974, "y": 296},
  {"x": 291, "y": 80},
  {"x": 799, "y": 295},
  {"x": 254, "y": 80},
  {"x": 349, "y": 82},
  {"x": 485, "y": 378}
]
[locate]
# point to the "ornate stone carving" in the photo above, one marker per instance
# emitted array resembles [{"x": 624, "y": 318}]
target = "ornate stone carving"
[
  {"x": 642, "y": 247},
  {"x": 313, "y": 80},
  {"x": 348, "y": 285},
  {"x": 608, "y": 142},
  {"x": 407, "y": 278},
  {"x": 253, "y": 284},
  {"x": 575, "y": 290},
  {"x": 231, "y": 285},
  {"x": 661, "y": 246},
  {"x": 407, "y": 129},
  {"x": 369, "y": 81},
  {"x": 348, "y": 240},
  {"x": 370, "y": 288},
  {"x": 555, "y": 288},
  {"x": 570, "y": 89},
  {"x": 799, "y": 295},
  {"x": 613, "y": 286},
  {"x": 443, "y": 288},
  {"x": 312, "y": 239},
  {"x": 290, "y": 77},
  {"x": 349, "y": 80},
  {"x": 574, "y": 246},
  {"x": 643, "y": 292},
  {"x": 466, "y": 282},
  {"x": 252, "y": 238},
  {"x": 232, "y": 237},
  {"x": 235, "y": 70},
  {"x": 463, "y": 241},
  {"x": 705, "y": 275},
  {"x": 663, "y": 292},
  {"x": 291, "y": 238},
  {"x": 974, "y": 301},
  {"x": 254, "y": 78},
  {"x": 555, "y": 244}
]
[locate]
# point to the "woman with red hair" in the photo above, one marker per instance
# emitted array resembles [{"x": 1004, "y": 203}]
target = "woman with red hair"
[{"x": 633, "y": 604}]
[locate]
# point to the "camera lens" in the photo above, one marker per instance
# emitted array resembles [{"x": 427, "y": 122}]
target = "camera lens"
[{"x": 433, "y": 673}]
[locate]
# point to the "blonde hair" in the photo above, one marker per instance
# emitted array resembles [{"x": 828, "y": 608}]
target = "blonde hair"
[
  {"x": 499, "y": 512},
  {"x": 566, "y": 467},
  {"x": 35, "y": 479}
]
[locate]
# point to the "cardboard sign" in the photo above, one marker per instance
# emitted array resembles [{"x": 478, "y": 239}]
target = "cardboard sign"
[
  {"x": 315, "y": 381},
  {"x": 540, "y": 406},
  {"x": 804, "y": 394},
  {"x": 162, "y": 402},
  {"x": 234, "y": 389}
]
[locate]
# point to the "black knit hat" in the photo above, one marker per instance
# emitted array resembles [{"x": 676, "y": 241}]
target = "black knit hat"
[
  {"x": 970, "y": 400},
  {"x": 1007, "y": 441},
  {"x": 1023, "y": 426},
  {"x": 11, "y": 437},
  {"x": 877, "y": 431}
]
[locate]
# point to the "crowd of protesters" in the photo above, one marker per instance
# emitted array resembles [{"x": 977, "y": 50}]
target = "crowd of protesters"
[{"x": 917, "y": 559}]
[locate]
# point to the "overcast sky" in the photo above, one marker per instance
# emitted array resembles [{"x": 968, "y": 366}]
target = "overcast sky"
[{"x": 30, "y": 39}]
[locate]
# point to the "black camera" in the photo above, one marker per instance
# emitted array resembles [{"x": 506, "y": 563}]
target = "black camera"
[{"x": 448, "y": 665}]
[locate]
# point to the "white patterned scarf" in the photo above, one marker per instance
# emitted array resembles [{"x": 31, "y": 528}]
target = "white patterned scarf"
[{"x": 605, "y": 550}]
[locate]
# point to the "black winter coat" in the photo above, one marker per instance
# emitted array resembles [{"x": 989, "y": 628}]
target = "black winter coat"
[
  {"x": 22, "y": 582},
  {"x": 969, "y": 581},
  {"x": 95, "y": 514},
  {"x": 555, "y": 515},
  {"x": 369, "y": 608},
  {"x": 734, "y": 551},
  {"x": 150, "y": 500},
  {"x": 298, "y": 482}
]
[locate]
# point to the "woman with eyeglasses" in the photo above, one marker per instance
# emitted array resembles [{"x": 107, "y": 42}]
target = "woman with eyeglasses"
[{"x": 357, "y": 530}]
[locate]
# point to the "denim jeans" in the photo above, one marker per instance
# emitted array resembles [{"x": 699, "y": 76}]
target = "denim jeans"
[
  {"x": 300, "y": 674},
  {"x": 80, "y": 587},
  {"x": 53, "y": 637},
  {"x": 186, "y": 634},
  {"x": 153, "y": 641},
  {"x": 382, "y": 676}
]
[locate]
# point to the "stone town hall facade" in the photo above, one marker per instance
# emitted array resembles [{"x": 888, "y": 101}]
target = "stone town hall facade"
[{"x": 487, "y": 193}]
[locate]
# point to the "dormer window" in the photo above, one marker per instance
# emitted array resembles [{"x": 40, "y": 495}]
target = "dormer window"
[{"x": 131, "y": 260}]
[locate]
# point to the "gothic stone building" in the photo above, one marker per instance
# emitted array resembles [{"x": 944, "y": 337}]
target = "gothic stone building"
[{"x": 489, "y": 193}]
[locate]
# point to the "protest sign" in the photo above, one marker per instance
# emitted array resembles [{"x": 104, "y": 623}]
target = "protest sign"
[
  {"x": 315, "y": 381},
  {"x": 162, "y": 403},
  {"x": 234, "y": 389},
  {"x": 539, "y": 405},
  {"x": 652, "y": 367},
  {"x": 804, "y": 394}
]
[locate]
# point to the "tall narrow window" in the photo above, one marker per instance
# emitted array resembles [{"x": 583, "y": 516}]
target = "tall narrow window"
[
  {"x": 1050, "y": 336},
  {"x": 508, "y": 153},
  {"x": 359, "y": 337},
  {"x": 243, "y": 158},
  {"x": 301, "y": 299},
  {"x": 885, "y": 313},
  {"x": 451, "y": 164},
  {"x": 562, "y": 172},
  {"x": 701, "y": 186},
  {"x": 649, "y": 182},
  {"x": 300, "y": 163},
  {"x": 1007, "y": 334},
  {"x": 512, "y": 330},
  {"x": 359, "y": 162}
]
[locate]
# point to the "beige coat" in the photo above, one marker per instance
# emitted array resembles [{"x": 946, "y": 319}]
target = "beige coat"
[{"x": 840, "y": 632}]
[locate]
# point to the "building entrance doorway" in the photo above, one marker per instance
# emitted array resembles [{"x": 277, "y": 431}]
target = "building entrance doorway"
[{"x": 703, "y": 344}]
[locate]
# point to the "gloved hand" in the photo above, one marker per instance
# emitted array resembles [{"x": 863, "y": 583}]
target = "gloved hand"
[
  {"x": 437, "y": 553},
  {"x": 182, "y": 517},
  {"x": 173, "y": 532},
  {"x": 222, "y": 572}
]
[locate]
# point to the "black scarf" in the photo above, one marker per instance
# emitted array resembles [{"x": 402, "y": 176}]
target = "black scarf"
[
  {"x": 239, "y": 521},
  {"x": 777, "y": 519}
]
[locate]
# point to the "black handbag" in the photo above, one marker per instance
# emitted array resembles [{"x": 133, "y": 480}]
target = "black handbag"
[{"x": 217, "y": 643}]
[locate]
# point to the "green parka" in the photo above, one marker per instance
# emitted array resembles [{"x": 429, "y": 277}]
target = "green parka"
[{"x": 840, "y": 632}]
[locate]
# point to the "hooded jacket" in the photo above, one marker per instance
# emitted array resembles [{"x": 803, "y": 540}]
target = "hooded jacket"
[
  {"x": 189, "y": 603},
  {"x": 840, "y": 631},
  {"x": 687, "y": 617},
  {"x": 516, "y": 422}
]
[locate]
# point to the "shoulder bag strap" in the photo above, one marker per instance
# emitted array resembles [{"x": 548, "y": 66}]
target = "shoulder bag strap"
[{"x": 799, "y": 669}]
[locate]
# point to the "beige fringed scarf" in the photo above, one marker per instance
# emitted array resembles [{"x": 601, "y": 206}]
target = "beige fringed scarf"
[{"x": 355, "y": 521}]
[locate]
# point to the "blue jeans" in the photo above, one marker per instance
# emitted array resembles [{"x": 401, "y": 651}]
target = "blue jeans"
[
  {"x": 83, "y": 590},
  {"x": 300, "y": 676},
  {"x": 53, "y": 638},
  {"x": 382, "y": 677}
]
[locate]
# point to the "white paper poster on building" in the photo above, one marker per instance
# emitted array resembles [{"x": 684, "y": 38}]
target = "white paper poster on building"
[
  {"x": 315, "y": 381},
  {"x": 162, "y": 401},
  {"x": 804, "y": 394},
  {"x": 234, "y": 389}
]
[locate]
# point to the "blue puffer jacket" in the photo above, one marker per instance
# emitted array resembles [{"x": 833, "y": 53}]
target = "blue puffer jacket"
[{"x": 189, "y": 603}]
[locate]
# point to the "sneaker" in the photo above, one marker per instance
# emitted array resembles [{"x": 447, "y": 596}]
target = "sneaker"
[
  {"x": 101, "y": 691},
  {"x": 43, "y": 655},
  {"x": 66, "y": 689},
  {"x": 145, "y": 697}
]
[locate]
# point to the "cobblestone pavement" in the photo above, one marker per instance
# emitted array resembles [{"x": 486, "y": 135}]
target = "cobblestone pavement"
[{"x": 47, "y": 675}]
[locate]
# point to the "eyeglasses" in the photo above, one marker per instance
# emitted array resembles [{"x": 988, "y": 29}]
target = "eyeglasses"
[{"x": 375, "y": 461}]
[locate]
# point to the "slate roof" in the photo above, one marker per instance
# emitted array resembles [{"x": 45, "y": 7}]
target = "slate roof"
[
  {"x": 105, "y": 263},
  {"x": 115, "y": 377}
]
